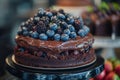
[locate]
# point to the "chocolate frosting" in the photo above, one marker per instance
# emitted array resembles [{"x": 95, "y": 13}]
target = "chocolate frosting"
[{"x": 54, "y": 47}]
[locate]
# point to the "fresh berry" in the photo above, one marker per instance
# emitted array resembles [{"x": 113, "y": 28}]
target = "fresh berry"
[
  {"x": 67, "y": 31},
  {"x": 71, "y": 28},
  {"x": 35, "y": 35},
  {"x": 36, "y": 19},
  {"x": 25, "y": 33},
  {"x": 23, "y": 24},
  {"x": 54, "y": 19},
  {"x": 86, "y": 29},
  {"x": 64, "y": 25},
  {"x": 61, "y": 11},
  {"x": 50, "y": 33},
  {"x": 61, "y": 16},
  {"x": 59, "y": 31},
  {"x": 64, "y": 37},
  {"x": 73, "y": 35},
  {"x": 57, "y": 37},
  {"x": 24, "y": 28},
  {"x": 20, "y": 32},
  {"x": 43, "y": 36},
  {"x": 54, "y": 12},
  {"x": 41, "y": 12},
  {"x": 81, "y": 33},
  {"x": 49, "y": 14},
  {"x": 41, "y": 28},
  {"x": 53, "y": 26},
  {"x": 70, "y": 20}
]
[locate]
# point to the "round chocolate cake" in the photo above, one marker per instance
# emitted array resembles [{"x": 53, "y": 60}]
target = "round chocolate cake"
[{"x": 54, "y": 39}]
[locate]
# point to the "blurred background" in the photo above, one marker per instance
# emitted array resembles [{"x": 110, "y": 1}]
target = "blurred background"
[{"x": 102, "y": 16}]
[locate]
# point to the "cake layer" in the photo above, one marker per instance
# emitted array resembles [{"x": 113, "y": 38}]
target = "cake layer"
[
  {"x": 54, "y": 47},
  {"x": 35, "y": 61}
]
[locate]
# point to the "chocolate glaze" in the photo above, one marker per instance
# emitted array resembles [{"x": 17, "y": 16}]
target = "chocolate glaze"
[
  {"x": 55, "y": 47},
  {"x": 31, "y": 60}
]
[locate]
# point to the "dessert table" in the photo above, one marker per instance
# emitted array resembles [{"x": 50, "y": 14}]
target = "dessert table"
[{"x": 78, "y": 73}]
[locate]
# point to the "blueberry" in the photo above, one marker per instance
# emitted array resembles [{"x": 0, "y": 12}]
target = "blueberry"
[
  {"x": 61, "y": 11},
  {"x": 41, "y": 12},
  {"x": 64, "y": 25},
  {"x": 67, "y": 31},
  {"x": 53, "y": 18},
  {"x": 43, "y": 36},
  {"x": 57, "y": 37},
  {"x": 24, "y": 28},
  {"x": 53, "y": 26},
  {"x": 61, "y": 16},
  {"x": 20, "y": 32},
  {"x": 81, "y": 33},
  {"x": 50, "y": 33},
  {"x": 35, "y": 35},
  {"x": 25, "y": 33},
  {"x": 70, "y": 20},
  {"x": 86, "y": 29},
  {"x": 36, "y": 19},
  {"x": 49, "y": 14},
  {"x": 64, "y": 37},
  {"x": 71, "y": 28},
  {"x": 73, "y": 35},
  {"x": 23, "y": 24}
]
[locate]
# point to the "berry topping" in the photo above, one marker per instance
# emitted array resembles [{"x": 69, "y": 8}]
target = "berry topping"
[
  {"x": 43, "y": 36},
  {"x": 41, "y": 28},
  {"x": 64, "y": 25},
  {"x": 25, "y": 33},
  {"x": 81, "y": 33},
  {"x": 64, "y": 37},
  {"x": 57, "y": 37},
  {"x": 50, "y": 33},
  {"x": 86, "y": 29},
  {"x": 41, "y": 12},
  {"x": 49, "y": 14},
  {"x": 53, "y": 26},
  {"x": 73, "y": 35},
  {"x": 67, "y": 31},
  {"x": 35, "y": 35},
  {"x": 71, "y": 28},
  {"x": 61, "y": 16},
  {"x": 70, "y": 20}
]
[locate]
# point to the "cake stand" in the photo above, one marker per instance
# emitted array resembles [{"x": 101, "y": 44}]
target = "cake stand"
[{"x": 79, "y": 73}]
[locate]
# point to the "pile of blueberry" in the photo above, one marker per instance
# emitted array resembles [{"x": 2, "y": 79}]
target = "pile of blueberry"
[{"x": 53, "y": 25}]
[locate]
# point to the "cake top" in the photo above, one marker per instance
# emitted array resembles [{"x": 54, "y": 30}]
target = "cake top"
[{"x": 53, "y": 25}]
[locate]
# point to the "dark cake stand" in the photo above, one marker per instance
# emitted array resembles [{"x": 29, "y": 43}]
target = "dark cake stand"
[{"x": 79, "y": 73}]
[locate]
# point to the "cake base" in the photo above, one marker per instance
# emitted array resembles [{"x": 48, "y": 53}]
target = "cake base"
[{"x": 82, "y": 73}]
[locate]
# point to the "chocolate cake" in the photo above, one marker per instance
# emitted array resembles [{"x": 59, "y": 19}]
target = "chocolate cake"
[{"x": 54, "y": 39}]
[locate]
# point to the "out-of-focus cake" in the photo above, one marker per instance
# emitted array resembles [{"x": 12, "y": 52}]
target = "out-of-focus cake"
[
  {"x": 54, "y": 39},
  {"x": 103, "y": 21}
]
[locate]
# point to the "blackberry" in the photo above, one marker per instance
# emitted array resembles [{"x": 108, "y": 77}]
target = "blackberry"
[
  {"x": 61, "y": 11},
  {"x": 77, "y": 25},
  {"x": 40, "y": 27},
  {"x": 59, "y": 31},
  {"x": 54, "y": 12}
]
